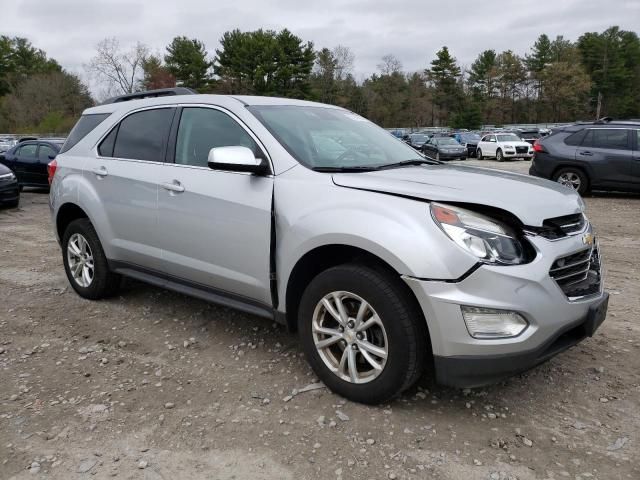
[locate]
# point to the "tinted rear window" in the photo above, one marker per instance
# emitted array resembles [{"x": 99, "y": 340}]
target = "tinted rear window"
[
  {"x": 82, "y": 128},
  {"x": 614, "y": 138},
  {"x": 143, "y": 135},
  {"x": 575, "y": 139}
]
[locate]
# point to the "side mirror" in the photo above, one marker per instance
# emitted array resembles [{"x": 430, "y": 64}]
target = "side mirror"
[{"x": 236, "y": 159}]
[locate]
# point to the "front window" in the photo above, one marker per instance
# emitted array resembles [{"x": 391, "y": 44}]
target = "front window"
[
  {"x": 445, "y": 141},
  {"x": 419, "y": 138},
  {"x": 509, "y": 138},
  {"x": 321, "y": 137}
]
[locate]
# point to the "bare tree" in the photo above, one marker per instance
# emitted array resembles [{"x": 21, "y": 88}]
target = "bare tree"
[
  {"x": 117, "y": 69},
  {"x": 344, "y": 59},
  {"x": 390, "y": 64}
]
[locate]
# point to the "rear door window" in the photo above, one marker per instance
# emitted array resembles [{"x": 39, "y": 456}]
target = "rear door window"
[
  {"x": 44, "y": 153},
  {"x": 143, "y": 135},
  {"x": 85, "y": 125},
  {"x": 611, "y": 138}
]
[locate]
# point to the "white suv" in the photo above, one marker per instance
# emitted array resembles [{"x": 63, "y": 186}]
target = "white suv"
[{"x": 503, "y": 146}]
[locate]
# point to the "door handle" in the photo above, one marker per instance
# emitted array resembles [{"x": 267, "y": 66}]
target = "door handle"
[
  {"x": 101, "y": 172},
  {"x": 586, "y": 154},
  {"x": 175, "y": 186}
]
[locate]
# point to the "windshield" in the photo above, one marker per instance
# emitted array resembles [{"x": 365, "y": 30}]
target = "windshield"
[
  {"x": 470, "y": 137},
  {"x": 321, "y": 137},
  {"x": 446, "y": 141},
  {"x": 419, "y": 138},
  {"x": 508, "y": 138}
]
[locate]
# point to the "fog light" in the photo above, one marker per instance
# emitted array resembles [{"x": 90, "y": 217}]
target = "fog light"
[{"x": 487, "y": 323}]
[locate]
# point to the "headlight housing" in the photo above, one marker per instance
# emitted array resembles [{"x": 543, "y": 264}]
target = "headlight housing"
[
  {"x": 7, "y": 176},
  {"x": 490, "y": 240}
]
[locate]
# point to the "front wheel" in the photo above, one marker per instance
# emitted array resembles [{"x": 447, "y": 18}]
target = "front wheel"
[
  {"x": 362, "y": 333},
  {"x": 438, "y": 156},
  {"x": 85, "y": 262},
  {"x": 479, "y": 154},
  {"x": 499, "y": 156}
]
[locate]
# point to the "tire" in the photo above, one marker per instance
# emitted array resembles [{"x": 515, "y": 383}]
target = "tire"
[
  {"x": 479, "y": 154},
  {"x": 401, "y": 330},
  {"x": 13, "y": 204},
  {"x": 103, "y": 283},
  {"x": 574, "y": 178},
  {"x": 438, "y": 156},
  {"x": 499, "y": 156}
]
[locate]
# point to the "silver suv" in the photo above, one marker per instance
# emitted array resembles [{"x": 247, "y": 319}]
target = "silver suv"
[{"x": 383, "y": 260}]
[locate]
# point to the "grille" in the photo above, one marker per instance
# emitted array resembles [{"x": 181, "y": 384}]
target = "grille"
[
  {"x": 560, "y": 227},
  {"x": 578, "y": 274},
  {"x": 522, "y": 149}
]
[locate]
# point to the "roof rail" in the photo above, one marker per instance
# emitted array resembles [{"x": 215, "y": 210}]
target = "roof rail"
[{"x": 161, "y": 92}]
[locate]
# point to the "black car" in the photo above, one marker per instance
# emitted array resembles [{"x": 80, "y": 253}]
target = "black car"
[
  {"x": 29, "y": 160},
  {"x": 416, "y": 140},
  {"x": 444, "y": 148},
  {"x": 529, "y": 135},
  {"x": 469, "y": 140},
  {"x": 602, "y": 155},
  {"x": 9, "y": 190}
]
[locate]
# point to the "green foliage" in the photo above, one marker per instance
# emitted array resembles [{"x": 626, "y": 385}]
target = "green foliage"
[
  {"x": 444, "y": 74},
  {"x": 19, "y": 59},
  {"x": 265, "y": 62},
  {"x": 156, "y": 75},
  {"x": 186, "y": 60},
  {"x": 469, "y": 117}
]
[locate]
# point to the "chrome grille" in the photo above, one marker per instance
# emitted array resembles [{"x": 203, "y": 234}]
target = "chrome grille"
[
  {"x": 522, "y": 149},
  {"x": 560, "y": 227},
  {"x": 578, "y": 274}
]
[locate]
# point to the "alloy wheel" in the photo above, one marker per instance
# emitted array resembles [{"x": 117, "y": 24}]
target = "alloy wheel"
[
  {"x": 349, "y": 337},
  {"x": 80, "y": 260},
  {"x": 570, "y": 179}
]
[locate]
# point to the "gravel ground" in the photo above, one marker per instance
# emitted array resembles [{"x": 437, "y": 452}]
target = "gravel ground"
[{"x": 155, "y": 385}]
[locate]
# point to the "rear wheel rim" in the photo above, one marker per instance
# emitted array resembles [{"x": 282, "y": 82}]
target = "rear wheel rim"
[
  {"x": 80, "y": 260},
  {"x": 349, "y": 337},
  {"x": 570, "y": 179}
]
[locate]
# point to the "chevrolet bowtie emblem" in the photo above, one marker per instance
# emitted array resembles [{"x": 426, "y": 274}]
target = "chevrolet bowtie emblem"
[{"x": 587, "y": 239}]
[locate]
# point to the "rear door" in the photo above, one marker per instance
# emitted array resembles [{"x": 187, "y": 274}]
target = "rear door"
[
  {"x": 215, "y": 226},
  {"x": 45, "y": 155},
  {"x": 124, "y": 175},
  {"x": 609, "y": 153},
  {"x": 635, "y": 167}
]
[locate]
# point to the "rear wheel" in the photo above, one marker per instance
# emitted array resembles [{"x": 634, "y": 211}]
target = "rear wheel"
[
  {"x": 361, "y": 333},
  {"x": 573, "y": 178},
  {"x": 499, "y": 156},
  {"x": 85, "y": 262}
]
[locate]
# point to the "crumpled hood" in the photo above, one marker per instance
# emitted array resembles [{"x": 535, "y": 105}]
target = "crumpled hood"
[{"x": 531, "y": 199}]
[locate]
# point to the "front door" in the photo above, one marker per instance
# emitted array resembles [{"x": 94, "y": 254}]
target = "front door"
[{"x": 215, "y": 226}]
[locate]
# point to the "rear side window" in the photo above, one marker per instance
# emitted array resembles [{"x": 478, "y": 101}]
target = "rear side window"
[
  {"x": 44, "y": 153},
  {"x": 143, "y": 135},
  {"x": 575, "y": 139},
  {"x": 614, "y": 138},
  {"x": 85, "y": 125}
]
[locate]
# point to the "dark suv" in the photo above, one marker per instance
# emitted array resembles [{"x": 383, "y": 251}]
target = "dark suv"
[{"x": 603, "y": 155}]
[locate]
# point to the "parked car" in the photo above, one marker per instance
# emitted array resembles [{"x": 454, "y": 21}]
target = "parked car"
[
  {"x": 6, "y": 143},
  {"x": 503, "y": 146},
  {"x": 469, "y": 140},
  {"x": 529, "y": 135},
  {"x": 9, "y": 191},
  {"x": 444, "y": 148},
  {"x": 29, "y": 160},
  {"x": 599, "y": 156},
  {"x": 382, "y": 260},
  {"x": 417, "y": 140}
]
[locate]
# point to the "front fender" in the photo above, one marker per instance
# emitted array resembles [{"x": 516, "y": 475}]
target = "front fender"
[{"x": 397, "y": 230}]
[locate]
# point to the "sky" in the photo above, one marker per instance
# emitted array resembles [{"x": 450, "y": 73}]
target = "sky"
[{"x": 412, "y": 30}]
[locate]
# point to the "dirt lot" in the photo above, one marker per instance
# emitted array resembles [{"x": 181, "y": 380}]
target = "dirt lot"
[{"x": 155, "y": 385}]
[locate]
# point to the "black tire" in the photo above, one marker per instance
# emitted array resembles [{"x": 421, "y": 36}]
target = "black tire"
[
  {"x": 104, "y": 283},
  {"x": 499, "y": 156},
  {"x": 13, "y": 204},
  {"x": 584, "y": 180},
  {"x": 438, "y": 156},
  {"x": 406, "y": 333},
  {"x": 479, "y": 154}
]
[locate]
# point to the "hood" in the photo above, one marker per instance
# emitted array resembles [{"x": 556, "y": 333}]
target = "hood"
[{"x": 531, "y": 199}]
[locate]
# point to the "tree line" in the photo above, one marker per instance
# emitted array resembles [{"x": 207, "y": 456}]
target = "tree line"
[{"x": 557, "y": 80}]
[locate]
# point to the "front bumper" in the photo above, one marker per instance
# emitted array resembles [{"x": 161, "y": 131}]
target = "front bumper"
[
  {"x": 9, "y": 192},
  {"x": 452, "y": 155},
  {"x": 555, "y": 321},
  {"x": 514, "y": 154}
]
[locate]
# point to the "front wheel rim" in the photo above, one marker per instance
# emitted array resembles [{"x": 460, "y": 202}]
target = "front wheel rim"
[
  {"x": 80, "y": 260},
  {"x": 570, "y": 179},
  {"x": 349, "y": 337}
]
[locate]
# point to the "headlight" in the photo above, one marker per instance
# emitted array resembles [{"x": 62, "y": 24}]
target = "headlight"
[
  {"x": 7, "y": 176},
  {"x": 488, "y": 239}
]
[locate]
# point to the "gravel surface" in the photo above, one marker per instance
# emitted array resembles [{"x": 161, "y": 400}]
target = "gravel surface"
[{"x": 155, "y": 385}]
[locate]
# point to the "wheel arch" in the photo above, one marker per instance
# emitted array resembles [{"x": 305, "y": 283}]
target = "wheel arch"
[{"x": 67, "y": 213}]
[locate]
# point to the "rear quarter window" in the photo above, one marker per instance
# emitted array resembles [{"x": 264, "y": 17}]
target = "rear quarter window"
[
  {"x": 575, "y": 139},
  {"x": 81, "y": 129}
]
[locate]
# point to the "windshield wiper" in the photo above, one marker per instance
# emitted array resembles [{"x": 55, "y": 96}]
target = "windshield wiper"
[
  {"x": 408, "y": 163},
  {"x": 357, "y": 168}
]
